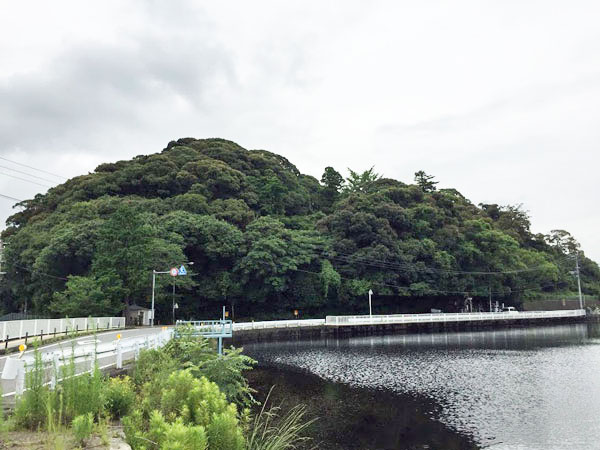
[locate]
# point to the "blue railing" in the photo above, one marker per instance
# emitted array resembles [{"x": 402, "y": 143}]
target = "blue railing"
[
  {"x": 208, "y": 328},
  {"x": 215, "y": 329}
]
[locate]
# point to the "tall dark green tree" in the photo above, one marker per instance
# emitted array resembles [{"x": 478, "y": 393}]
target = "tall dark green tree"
[
  {"x": 361, "y": 182},
  {"x": 425, "y": 181},
  {"x": 332, "y": 184}
]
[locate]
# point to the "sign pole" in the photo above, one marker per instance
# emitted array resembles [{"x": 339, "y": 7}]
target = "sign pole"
[
  {"x": 152, "y": 308},
  {"x": 370, "y": 309},
  {"x": 173, "y": 305}
]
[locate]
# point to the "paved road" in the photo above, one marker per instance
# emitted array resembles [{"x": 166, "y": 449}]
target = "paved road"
[{"x": 8, "y": 386}]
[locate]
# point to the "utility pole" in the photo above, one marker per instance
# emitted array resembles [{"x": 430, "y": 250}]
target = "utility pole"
[
  {"x": 578, "y": 280},
  {"x": 1, "y": 257}
]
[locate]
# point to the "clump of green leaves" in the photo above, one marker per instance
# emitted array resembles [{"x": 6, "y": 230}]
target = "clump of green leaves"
[
  {"x": 152, "y": 364},
  {"x": 227, "y": 372},
  {"x": 120, "y": 396},
  {"x": 185, "y": 406},
  {"x": 82, "y": 427}
]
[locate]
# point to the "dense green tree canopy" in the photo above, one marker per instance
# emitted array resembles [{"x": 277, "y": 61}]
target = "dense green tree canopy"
[{"x": 266, "y": 239}]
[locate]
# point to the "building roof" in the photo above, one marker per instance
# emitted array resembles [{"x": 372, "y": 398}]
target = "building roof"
[{"x": 135, "y": 307}]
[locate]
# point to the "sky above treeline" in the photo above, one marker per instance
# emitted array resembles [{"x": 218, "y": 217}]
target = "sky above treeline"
[{"x": 500, "y": 100}]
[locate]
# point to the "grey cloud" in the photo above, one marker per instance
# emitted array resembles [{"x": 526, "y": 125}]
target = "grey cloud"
[
  {"x": 95, "y": 87},
  {"x": 520, "y": 100}
]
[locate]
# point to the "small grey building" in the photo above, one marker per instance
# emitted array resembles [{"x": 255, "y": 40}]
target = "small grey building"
[{"x": 136, "y": 315}]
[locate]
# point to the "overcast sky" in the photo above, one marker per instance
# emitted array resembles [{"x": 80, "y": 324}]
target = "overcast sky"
[{"x": 500, "y": 100}]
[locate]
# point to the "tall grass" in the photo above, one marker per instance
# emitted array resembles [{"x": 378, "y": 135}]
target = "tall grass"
[
  {"x": 30, "y": 411},
  {"x": 79, "y": 394},
  {"x": 74, "y": 395},
  {"x": 271, "y": 431},
  {"x": 2, "y": 421}
]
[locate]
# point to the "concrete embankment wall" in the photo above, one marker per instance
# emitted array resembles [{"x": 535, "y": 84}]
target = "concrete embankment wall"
[
  {"x": 559, "y": 304},
  {"x": 242, "y": 337}
]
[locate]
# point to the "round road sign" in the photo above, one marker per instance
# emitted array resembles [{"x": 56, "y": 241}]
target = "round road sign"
[{"x": 174, "y": 272}]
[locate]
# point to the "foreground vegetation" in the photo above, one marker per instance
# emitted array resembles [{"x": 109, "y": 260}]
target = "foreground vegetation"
[
  {"x": 267, "y": 240},
  {"x": 182, "y": 396}
]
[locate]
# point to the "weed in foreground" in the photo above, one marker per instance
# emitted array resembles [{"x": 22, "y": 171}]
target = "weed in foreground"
[{"x": 271, "y": 431}]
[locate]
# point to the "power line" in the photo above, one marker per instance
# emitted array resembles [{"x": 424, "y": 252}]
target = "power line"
[
  {"x": 416, "y": 268},
  {"x": 23, "y": 179},
  {"x": 11, "y": 198},
  {"x": 39, "y": 272},
  {"x": 34, "y": 168},
  {"x": 28, "y": 174},
  {"x": 438, "y": 291},
  {"x": 352, "y": 258}
]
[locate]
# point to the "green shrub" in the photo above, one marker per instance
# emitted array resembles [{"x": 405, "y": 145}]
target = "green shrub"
[
  {"x": 188, "y": 348},
  {"x": 176, "y": 435},
  {"x": 152, "y": 364},
  {"x": 196, "y": 400},
  {"x": 82, "y": 427},
  {"x": 181, "y": 437},
  {"x": 134, "y": 429},
  {"x": 228, "y": 372},
  {"x": 224, "y": 432},
  {"x": 120, "y": 396},
  {"x": 187, "y": 407}
]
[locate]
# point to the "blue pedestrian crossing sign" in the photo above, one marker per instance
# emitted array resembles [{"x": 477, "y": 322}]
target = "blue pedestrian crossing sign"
[{"x": 182, "y": 270}]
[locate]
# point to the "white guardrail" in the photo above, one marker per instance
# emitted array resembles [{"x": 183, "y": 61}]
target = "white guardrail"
[
  {"x": 19, "y": 329},
  {"x": 450, "y": 317},
  {"x": 86, "y": 352},
  {"x": 278, "y": 324}
]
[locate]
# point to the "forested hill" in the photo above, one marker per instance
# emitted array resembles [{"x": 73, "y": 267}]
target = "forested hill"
[{"x": 267, "y": 239}]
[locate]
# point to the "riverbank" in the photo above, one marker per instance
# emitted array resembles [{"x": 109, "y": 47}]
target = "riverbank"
[{"x": 356, "y": 418}]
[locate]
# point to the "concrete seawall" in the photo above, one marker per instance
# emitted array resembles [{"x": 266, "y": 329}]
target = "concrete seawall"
[{"x": 241, "y": 337}]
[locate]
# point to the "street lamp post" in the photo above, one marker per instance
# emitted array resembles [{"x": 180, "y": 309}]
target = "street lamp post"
[
  {"x": 154, "y": 272},
  {"x": 578, "y": 279}
]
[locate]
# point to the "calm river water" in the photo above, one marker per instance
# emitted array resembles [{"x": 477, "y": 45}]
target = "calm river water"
[{"x": 528, "y": 388}]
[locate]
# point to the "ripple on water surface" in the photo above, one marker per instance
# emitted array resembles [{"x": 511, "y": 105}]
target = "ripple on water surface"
[{"x": 531, "y": 389}]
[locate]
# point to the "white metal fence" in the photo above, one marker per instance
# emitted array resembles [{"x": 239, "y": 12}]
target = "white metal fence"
[
  {"x": 450, "y": 317},
  {"x": 84, "y": 355},
  {"x": 19, "y": 329},
  {"x": 278, "y": 324}
]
